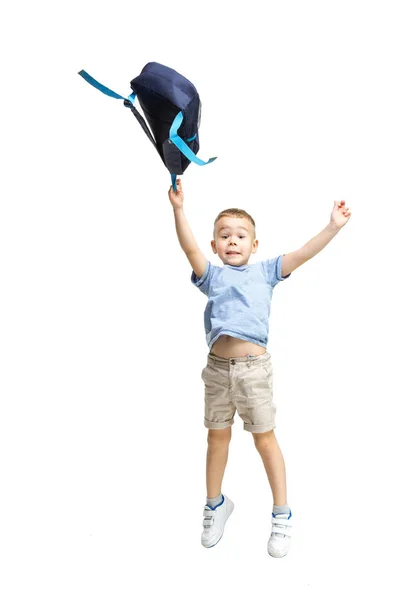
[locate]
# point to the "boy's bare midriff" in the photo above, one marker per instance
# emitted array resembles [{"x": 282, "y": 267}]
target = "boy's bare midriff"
[{"x": 227, "y": 346}]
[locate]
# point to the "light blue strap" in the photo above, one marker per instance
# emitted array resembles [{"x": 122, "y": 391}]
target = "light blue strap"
[
  {"x": 181, "y": 145},
  {"x": 173, "y": 177},
  {"x": 104, "y": 89}
]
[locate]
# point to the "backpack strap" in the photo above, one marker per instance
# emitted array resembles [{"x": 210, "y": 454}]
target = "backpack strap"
[
  {"x": 103, "y": 88},
  {"x": 181, "y": 145},
  {"x": 142, "y": 123},
  {"x": 127, "y": 102}
]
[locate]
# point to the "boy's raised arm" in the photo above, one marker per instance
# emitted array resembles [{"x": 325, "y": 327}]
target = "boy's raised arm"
[
  {"x": 339, "y": 217},
  {"x": 185, "y": 236}
]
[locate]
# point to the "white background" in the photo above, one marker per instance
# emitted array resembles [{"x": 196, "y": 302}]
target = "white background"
[{"x": 102, "y": 441}]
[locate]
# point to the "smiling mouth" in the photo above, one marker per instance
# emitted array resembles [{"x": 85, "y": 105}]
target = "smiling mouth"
[{"x": 233, "y": 252}]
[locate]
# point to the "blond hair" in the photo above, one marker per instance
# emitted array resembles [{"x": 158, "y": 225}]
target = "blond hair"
[{"x": 237, "y": 213}]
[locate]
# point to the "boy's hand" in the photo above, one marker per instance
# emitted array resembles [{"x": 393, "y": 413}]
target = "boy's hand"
[
  {"x": 340, "y": 214},
  {"x": 176, "y": 198}
]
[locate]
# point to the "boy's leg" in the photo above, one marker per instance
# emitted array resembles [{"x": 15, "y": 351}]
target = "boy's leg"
[
  {"x": 268, "y": 448},
  {"x": 217, "y": 457}
]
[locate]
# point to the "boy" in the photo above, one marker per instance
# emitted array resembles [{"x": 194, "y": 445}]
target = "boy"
[{"x": 238, "y": 374}]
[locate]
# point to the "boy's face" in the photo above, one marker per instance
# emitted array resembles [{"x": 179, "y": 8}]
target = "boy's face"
[{"x": 234, "y": 234}]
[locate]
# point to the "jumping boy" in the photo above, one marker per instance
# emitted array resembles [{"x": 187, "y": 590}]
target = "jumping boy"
[{"x": 238, "y": 374}]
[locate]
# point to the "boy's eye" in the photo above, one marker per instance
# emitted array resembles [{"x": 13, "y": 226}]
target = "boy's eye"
[{"x": 224, "y": 236}]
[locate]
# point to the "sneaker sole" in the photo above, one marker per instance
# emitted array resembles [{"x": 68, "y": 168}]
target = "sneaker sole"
[{"x": 279, "y": 555}]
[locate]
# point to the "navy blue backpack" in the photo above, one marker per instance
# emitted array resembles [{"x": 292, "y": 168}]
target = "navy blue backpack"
[{"x": 172, "y": 108}]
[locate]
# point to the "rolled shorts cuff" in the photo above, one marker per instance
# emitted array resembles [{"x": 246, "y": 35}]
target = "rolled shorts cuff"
[
  {"x": 258, "y": 428},
  {"x": 223, "y": 425}
]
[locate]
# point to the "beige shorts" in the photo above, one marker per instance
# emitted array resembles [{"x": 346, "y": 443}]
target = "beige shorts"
[{"x": 244, "y": 384}]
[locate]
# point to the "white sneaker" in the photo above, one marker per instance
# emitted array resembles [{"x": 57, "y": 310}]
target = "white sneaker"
[
  {"x": 214, "y": 522},
  {"x": 280, "y": 538}
]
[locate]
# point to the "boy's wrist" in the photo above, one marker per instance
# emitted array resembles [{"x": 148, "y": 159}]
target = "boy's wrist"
[{"x": 333, "y": 227}]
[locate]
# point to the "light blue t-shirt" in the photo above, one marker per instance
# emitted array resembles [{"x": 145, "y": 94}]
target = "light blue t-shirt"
[{"x": 239, "y": 299}]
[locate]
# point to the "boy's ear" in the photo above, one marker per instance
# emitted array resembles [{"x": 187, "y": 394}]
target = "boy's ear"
[{"x": 213, "y": 246}]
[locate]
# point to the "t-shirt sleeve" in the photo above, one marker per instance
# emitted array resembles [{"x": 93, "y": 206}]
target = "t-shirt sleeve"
[
  {"x": 273, "y": 270},
  {"x": 203, "y": 283}
]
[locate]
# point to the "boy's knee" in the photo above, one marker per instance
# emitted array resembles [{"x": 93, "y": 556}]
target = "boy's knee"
[
  {"x": 220, "y": 435},
  {"x": 265, "y": 438}
]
